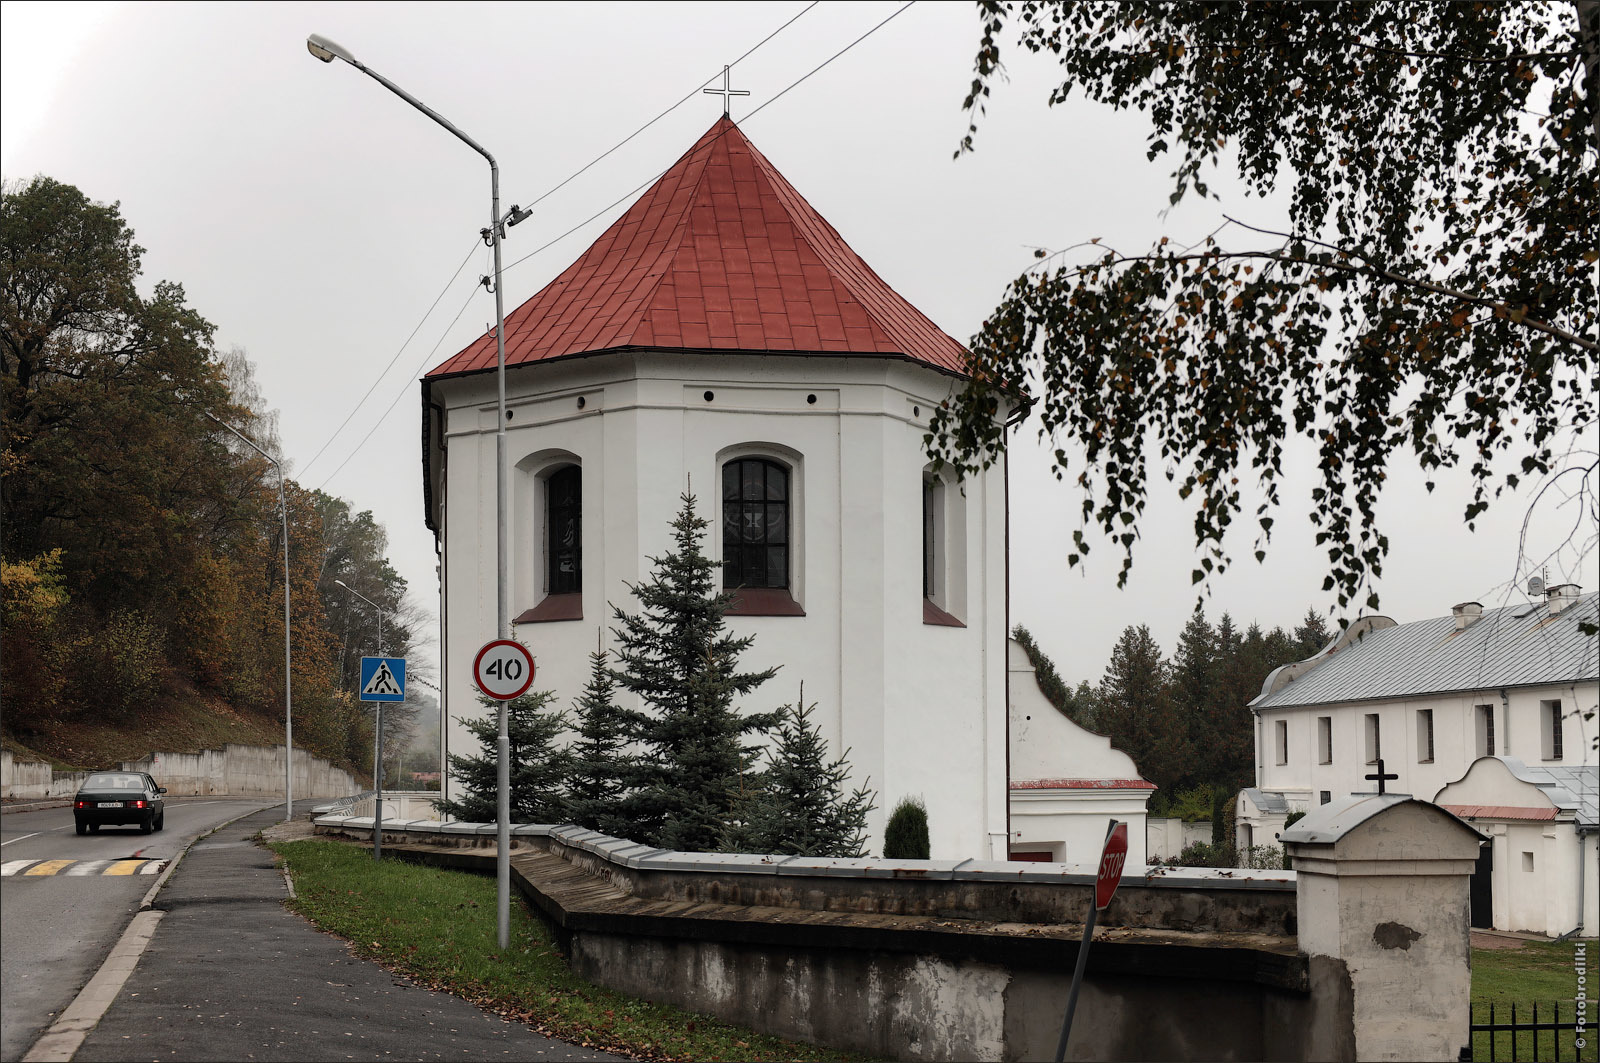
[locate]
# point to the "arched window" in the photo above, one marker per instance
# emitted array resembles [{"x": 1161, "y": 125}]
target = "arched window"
[
  {"x": 563, "y": 529},
  {"x": 755, "y": 524}
]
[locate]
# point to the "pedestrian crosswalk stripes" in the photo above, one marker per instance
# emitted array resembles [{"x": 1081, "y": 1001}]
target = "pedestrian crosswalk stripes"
[{"x": 40, "y": 868}]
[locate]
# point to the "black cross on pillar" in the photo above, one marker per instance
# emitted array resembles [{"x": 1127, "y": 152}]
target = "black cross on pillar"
[{"x": 1381, "y": 777}]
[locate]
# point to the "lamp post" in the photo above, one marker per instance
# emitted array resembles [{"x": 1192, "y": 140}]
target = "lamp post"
[
  {"x": 288, "y": 674},
  {"x": 377, "y": 737},
  {"x": 328, "y": 51}
]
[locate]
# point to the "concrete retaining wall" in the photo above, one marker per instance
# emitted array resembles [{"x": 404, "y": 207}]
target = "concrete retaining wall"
[
  {"x": 400, "y": 805},
  {"x": 941, "y": 960},
  {"x": 234, "y": 770}
]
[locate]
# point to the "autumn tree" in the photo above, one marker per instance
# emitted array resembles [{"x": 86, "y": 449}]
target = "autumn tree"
[{"x": 1432, "y": 291}]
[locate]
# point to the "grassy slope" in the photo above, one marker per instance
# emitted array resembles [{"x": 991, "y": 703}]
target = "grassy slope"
[
  {"x": 181, "y": 725},
  {"x": 438, "y": 928}
]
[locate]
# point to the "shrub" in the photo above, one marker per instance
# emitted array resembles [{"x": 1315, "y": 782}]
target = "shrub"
[
  {"x": 906, "y": 836},
  {"x": 1206, "y": 854}
]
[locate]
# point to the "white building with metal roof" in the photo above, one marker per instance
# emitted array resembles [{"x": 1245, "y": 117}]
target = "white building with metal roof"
[{"x": 1432, "y": 701}]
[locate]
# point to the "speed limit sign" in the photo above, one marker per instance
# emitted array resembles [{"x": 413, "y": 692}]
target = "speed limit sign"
[{"x": 503, "y": 670}]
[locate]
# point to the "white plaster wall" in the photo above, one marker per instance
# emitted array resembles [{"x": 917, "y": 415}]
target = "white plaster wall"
[
  {"x": 1517, "y": 731},
  {"x": 918, "y": 706},
  {"x": 1071, "y": 824}
]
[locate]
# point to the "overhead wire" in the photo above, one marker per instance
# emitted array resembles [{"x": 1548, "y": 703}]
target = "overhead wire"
[
  {"x": 376, "y": 380},
  {"x": 609, "y": 206}
]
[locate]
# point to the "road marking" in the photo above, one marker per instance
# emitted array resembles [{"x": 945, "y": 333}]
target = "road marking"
[
  {"x": 42, "y": 868},
  {"x": 47, "y": 867},
  {"x": 25, "y": 837},
  {"x": 87, "y": 867}
]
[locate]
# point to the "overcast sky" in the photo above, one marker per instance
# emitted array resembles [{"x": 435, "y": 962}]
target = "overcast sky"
[{"x": 313, "y": 218}]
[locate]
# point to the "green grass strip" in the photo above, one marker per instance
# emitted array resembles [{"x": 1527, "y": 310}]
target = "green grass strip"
[
  {"x": 1539, "y": 971},
  {"x": 437, "y": 927}
]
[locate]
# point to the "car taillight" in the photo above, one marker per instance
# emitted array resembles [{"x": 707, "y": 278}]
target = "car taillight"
[
  {"x": 138, "y": 804},
  {"x": 81, "y": 804}
]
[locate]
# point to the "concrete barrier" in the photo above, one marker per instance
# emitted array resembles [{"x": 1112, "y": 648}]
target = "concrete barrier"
[
  {"x": 234, "y": 770},
  {"x": 942, "y": 960}
]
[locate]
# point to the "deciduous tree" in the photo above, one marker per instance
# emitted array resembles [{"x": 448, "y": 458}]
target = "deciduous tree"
[{"x": 1432, "y": 291}]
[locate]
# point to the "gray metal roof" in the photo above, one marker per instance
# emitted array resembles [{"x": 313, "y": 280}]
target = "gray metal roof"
[
  {"x": 1516, "y": 645},
  {"x": 1267, "y": 802},
  {"x": 1572, "y": 786}
]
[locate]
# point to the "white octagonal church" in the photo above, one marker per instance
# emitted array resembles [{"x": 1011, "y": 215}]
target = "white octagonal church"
[{"x": 722, "y": 337}]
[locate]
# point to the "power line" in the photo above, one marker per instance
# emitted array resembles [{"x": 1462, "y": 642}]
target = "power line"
[
  {"x": 378, "y": 379},
  {"x": 638, "y": 188},
  {"x": 652, "y": 180},
  {"x": 685, "y": 99}
]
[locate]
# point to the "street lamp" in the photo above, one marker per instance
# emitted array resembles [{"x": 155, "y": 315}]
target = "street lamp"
[
  {"x": 377, "y": 738},
  {"x": 288, "y": 694},
  {"x": 328, "y": 51}
]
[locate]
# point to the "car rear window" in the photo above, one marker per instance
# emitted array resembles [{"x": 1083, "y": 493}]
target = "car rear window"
[{"x": 113, "y": 781}]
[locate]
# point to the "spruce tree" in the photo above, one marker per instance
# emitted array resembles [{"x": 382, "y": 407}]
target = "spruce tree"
[
  {"x": 676, "y": 656},
  {"x": 600, "y": 766},
  {"x": 538, "y": 767},
  {"x": 798, "y": 806}
]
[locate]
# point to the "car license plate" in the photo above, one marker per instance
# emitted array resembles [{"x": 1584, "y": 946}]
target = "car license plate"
[{"x": 109, "y": 804}]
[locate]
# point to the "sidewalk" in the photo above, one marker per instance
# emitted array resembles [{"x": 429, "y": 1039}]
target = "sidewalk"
[{"x": 231, "y": 974}]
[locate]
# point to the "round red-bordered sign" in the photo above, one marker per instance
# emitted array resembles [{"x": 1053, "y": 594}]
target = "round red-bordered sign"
[{"x": 503, "y": 670}]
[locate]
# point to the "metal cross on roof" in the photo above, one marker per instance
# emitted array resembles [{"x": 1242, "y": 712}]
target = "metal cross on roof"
[
  {"x": 726, "y": 93},
  {"x": 1380, "y": 777}
]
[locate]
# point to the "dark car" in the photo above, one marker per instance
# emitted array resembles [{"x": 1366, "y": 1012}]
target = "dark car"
[{"x": 112, "y": 797}]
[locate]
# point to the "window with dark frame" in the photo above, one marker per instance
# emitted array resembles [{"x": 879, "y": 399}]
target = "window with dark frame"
[
  {"x": 1374, "y": 740},
  {"x": 1552, "y": 729},
  {"x": 755, "y": 524},
  {"x": 1424, "y": 736},
  {"x": 1282, "y": 729},
  {"x": 1324, "y": 739},
  {"x": 929, "y": 545},
  {"x": 563, "y": 529}
]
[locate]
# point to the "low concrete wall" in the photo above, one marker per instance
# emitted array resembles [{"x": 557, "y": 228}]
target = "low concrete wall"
[
  {"x": 917, "y": 959},
  {"x": 400, "y": 805},
  {"x": 234, "y": 770},
  {"x": 1165, "y": 839}
]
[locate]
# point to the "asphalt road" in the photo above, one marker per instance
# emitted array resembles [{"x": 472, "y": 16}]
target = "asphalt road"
[{"x": 62, "y": 919}]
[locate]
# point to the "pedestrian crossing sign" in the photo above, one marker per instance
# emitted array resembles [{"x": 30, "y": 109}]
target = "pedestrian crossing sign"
[{"x": 383, "y": 679}]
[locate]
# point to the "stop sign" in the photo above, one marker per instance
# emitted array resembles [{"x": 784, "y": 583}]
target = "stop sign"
[{"x": 1112, "y": 857}]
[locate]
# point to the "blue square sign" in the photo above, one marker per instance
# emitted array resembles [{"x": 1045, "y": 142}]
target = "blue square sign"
[{"x": 383, "y": 679}]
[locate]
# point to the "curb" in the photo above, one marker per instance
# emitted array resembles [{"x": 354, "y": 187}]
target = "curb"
[
  {"x": 33, "y": 806},
  {"x": 161, "y": 880},
  {"x": 66, "y": 1035}
]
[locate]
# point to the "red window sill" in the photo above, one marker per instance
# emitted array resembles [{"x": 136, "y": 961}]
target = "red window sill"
[
  {"x": 554, "y": 607},
  {"x": 932, "y": 614},
  {"x": 763, "y": 601}
]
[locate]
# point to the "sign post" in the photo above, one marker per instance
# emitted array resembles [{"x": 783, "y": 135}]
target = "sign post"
[
  {"x": 503, "y": 670},
  {"x": 383, "y": 679},
  {"x": 1112, "y": 857}
]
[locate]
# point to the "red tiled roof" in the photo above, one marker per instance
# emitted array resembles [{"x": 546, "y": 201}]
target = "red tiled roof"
[
  {"x": 1501, "y": 812},
  {"x": 1081, "y": 784},
  {"x": 720, "y": 254}
]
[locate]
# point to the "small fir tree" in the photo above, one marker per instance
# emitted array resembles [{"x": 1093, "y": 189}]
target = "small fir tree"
[
  {"x": 539, "y": 768},
  {"x": 600, "y": 767},
  {"x": 798, "y": 806},
  {"x": 906, "y": 836},
  {"x": 675, "y": 655}
]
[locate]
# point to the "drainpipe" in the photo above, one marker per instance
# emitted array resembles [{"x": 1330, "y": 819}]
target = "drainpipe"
[
  {"x": 1582, "y": 903},
  {"x": 1505, "y": 724}
]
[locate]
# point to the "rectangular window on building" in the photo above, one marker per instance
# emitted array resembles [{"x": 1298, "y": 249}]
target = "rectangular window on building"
[
  {"x": 1324, "y": 739},
  {"x": 1550, "y": 725},
  {"x": 1281, "y": 729},
  {"x": 1485, "y": 726},
  {"x": 1527, "y": 861},
  {"x": 1424, "y": 736},
  {"x": 1325, "y": 796},
  {"x": 1374, "y": 744}
]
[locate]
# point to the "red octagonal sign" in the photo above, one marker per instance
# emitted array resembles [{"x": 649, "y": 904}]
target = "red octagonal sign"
[
  {"x": 503, "y": 670},
  {"x": 1112, "y": 858}
]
